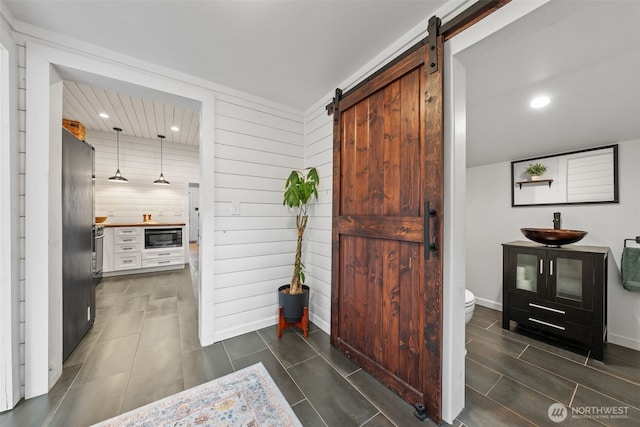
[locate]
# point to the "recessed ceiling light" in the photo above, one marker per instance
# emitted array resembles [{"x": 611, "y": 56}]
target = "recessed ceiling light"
[
  {"x": 540, "y": 101},
  {"x": 104, "y": 115},
  {"x": 175, "y": 128}
]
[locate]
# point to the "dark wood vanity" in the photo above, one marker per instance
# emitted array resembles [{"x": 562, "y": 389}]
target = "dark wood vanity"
[{"x": 560, "y": 291}]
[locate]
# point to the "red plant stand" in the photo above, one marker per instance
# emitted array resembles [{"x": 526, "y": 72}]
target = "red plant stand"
[{"x": 302, "y": 324}]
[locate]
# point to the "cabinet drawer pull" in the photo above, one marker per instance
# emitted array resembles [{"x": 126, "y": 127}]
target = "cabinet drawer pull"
[
  {"x": 541, "y": 266},
  {"x": 127, "y": 261},
  {"x": 546, "y": 308},
  {"x": 164, "y": 262},
  {"x": 550, "y": 267},
  {"x": 127, "y": 240},
  {"x": 165, "y": 254},
  {"x": 531, "y": 319},
  {"x": 127, "y": 248}
]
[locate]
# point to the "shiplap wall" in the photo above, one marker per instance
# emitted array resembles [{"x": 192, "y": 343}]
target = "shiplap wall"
[
  {"x": 590, "y": 178},
  {"x": 22, "y": 149},
  {"x": 256, "y": 147},
  {"x": 317, "y": 248},
  {"x": 140, "y": 164}
]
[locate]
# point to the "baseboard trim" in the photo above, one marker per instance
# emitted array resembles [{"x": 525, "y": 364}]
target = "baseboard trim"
[
  {"x": 145, "y": 270},
  {"x": 264, "y": 323},
  {"x": 245, "y": 328},
  {"x": 324, "y": 326},
  {"x": 623, "y": 341},
  {"x": 489, "y": 304}
]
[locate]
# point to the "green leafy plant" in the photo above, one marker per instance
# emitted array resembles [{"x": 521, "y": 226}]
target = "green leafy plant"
[
  {"x": 536, "y": 169},
  {"x": 299, "y": 192}
]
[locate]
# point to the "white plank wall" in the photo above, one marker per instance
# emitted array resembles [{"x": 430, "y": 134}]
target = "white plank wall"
[
  {"x": 317, "y": 248},
  {"x": 590, "y": 178},
  {"x": 140, "y": 164},
  {"x": 256, "y": 147},
  {"x": 22, "y": 112}
]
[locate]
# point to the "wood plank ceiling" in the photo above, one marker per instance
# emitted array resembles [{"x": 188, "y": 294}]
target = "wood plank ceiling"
[{"x": 137, "y": 116}]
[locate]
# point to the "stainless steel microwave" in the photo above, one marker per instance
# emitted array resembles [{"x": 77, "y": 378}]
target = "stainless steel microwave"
[{"x": 162, "y": 238}]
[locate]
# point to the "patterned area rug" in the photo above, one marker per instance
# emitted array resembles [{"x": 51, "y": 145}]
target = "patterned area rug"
[{"x": 248, "y": 397}]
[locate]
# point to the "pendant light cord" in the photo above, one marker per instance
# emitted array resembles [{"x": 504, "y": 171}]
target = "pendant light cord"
[
  {"x": 118, "y": 149},
  {"x": 118, "y": 130},
  {"x": 161, "y": 144}
]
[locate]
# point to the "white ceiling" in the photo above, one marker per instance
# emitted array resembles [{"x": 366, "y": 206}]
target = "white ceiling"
[
  {"x": 137, "y": 110},
  {"x": 136, "y": 116},
  {"x": 585, "y": 55},
  {"x": 292, "y": 52}
]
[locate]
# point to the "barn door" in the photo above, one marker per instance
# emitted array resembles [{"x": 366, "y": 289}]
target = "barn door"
[{"x": 387, "y": 179}]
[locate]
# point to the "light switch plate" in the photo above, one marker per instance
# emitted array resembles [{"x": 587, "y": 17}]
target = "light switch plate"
[{"x": 235, "y": 207}]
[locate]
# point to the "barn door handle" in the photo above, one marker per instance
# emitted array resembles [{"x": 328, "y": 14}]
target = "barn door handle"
[{"x": 428, "y": 245}]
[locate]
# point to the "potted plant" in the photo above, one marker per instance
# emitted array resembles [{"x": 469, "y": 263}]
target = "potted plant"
[
  {"x": 536, "y": 170},
  {"x": 300, "y": 190}
]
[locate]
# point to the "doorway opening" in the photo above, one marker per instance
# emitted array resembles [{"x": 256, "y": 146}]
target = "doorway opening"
[{"x": 43, "y": 364}]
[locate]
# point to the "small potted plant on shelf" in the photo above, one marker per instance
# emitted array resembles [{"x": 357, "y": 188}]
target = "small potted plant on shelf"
[
  {"x": 300, "y": 190},
  {"x": 535, "y": 171}
]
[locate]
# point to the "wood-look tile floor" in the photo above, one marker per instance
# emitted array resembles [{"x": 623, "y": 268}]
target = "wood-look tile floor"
[
  {"x": 144, "y": 347},
  {"x": 514, "y": 376}
]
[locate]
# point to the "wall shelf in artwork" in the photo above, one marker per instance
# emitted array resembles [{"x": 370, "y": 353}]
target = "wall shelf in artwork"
[{"x": 540, "y": 181}]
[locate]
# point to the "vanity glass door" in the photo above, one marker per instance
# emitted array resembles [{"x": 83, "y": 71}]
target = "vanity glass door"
[
  {"x": 527, "y": 272},
  {"x": 569, "y": 279},
  {"x": 568, "y": 273}
]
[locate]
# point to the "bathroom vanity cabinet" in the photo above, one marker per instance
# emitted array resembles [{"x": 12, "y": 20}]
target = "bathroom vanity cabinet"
[{"x": 559, "y": 291}]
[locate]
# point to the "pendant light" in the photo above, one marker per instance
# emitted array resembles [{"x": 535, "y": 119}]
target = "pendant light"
[
  {"x": 161, "y": 180},
  {"x": 118, "y": 176}
]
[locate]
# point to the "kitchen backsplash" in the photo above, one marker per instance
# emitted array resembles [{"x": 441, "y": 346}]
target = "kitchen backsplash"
[{"x": 140, "y": 164}]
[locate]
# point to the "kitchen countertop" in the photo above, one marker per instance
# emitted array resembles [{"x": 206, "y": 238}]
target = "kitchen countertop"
[{"x": 143, "y": 224}]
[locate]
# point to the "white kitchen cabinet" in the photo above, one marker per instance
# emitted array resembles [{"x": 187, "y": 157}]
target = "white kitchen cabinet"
[
  {"x": 128, "y": 261},
  {"x": 162, "y": 257},
  {"x": 108, "y": 263},
  {"x": 127, "y": 246},
  {"x": 124, "y": 252},
  {"x": 128, "y": 234}
]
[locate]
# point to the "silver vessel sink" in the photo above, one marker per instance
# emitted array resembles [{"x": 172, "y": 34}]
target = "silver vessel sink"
[{"x": 552, "y": 236}]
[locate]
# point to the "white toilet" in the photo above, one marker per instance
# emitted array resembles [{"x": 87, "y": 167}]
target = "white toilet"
[{"x": 469, "y": 305}]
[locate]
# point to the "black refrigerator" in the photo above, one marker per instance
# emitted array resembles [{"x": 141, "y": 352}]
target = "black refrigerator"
[{"x": 78, "y": 291}]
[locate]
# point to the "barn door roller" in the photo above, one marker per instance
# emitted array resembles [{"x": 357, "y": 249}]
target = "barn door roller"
[
  {"x": 434, "y": 31},
  {"x": 334, "y": 107}
]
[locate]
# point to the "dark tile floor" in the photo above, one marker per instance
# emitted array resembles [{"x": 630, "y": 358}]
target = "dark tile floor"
[
  {"x": 513, "y": 377},
  {"x": 144, "y": 346}
]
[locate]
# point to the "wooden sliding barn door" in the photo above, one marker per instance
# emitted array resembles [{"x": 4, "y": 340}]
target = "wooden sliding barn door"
[{"x": 388, "y": 176}]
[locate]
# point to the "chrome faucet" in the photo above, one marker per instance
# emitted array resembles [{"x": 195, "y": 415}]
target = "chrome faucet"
[{"x": 556, "y": 220}]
